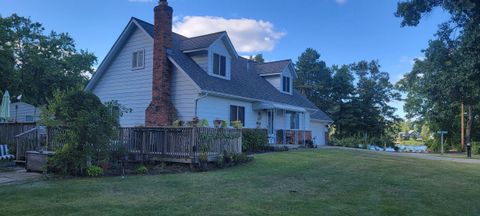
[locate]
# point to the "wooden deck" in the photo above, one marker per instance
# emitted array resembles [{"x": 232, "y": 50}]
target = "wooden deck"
[{"x": 182, "y": 145}]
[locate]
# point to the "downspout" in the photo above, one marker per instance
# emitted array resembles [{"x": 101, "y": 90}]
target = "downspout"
[{"x": 202, "y": 95}]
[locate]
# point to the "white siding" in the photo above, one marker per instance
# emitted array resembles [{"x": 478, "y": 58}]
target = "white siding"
[
  {"x": 219, "y": 48},
  {"x": 201, "y": 60},
  {"x": 131, "y": 88},
  {"x": 318, "y": 132},
  {"x": 212, "y": 108},
  {"x": 184, "y": 93},
  {"x": 275, "y": 81},
  {"x": 19, "y": 112}
]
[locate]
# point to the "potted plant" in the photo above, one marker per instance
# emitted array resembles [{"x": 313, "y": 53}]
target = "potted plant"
[
  {"x": 203, "y": 157},
  {"x": 217, "y": 123}
]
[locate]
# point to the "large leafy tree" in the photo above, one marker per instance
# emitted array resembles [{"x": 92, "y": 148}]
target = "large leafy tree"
[
  {"x": 374, "y": 92},
  {"x": 314, "y": 79},
  {"x": 356, "y": 96},
  {"x": 448, "y": 76},
  {"x": 34, "y": 64},
  {"x": 344, "y": 113}
]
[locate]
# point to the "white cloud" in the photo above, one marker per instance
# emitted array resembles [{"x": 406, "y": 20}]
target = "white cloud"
[
  {"x": 341, "y": 2},
  {"x": 247, "y": 35}
]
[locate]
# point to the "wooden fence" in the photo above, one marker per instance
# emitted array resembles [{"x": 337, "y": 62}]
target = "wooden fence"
[
  {"x": 8, "y": 131},
  {"x": 183, "y": 144}
]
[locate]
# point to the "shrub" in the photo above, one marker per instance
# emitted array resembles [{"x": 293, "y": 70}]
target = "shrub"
[
  {"x": 89, "y": 126},
  {"x": 94, "y": 171},
  {"x": 219, "y": 162},
  {"x": 475, "y": 148},
  {"x": 237, "y": 124},
  {"x": 141, "y": 170},
  {"x": 254, "y": 140},
  {"x": 240, "y": 158}
]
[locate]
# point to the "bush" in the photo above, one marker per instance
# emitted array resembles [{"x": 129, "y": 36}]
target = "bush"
[
  {"x": 240, "y": 158},
  {"x": 254, "y": 140},
  {"x": 94, "y": 171},
  {"x": 220, "y": 161},
  {"x": 361, "y": 142},
  {"x": 89, "y": 126},
  {"x": 476, "y": 148},
  {"x": 141, "y": 170}
]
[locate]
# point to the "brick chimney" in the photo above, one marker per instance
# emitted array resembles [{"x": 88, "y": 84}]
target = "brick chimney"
[{"x": 161, "y": 111}]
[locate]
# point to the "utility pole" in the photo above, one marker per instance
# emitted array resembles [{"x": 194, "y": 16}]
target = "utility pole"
[
  {"x": 462, "y": 117},
  {"x": 441, "y": 134}
]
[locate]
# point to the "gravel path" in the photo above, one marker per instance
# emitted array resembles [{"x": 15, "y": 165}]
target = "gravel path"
[{"x": 415, "y": 155}]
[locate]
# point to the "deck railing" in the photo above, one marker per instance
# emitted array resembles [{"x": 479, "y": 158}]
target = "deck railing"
[
  {"x": 183, "y": 144},
  {"x": 294, "y": 137}
]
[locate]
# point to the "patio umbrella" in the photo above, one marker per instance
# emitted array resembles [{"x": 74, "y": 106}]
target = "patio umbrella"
[{"x": 5, "y": 107}]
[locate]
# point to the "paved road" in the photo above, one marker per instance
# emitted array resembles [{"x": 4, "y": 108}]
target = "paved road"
[{"x": 415, "y": 155}]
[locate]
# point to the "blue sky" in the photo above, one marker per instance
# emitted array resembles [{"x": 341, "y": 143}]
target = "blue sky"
[{"x": 343, "y": 31}]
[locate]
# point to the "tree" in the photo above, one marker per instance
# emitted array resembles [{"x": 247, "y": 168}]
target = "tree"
[
  {"x": 451, "y": 69},
  {"x": 343, "y": 91},
  {"x": 259, "y": 58},
  {"x": 35, "y": 64},
  {"x": 314, "y": 79},
  {"x": 89, "y": 126},
  {"x": 374, "y": 92}
]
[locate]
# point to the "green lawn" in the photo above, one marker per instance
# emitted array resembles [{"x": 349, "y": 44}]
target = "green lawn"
[{"x": 308, "y": 182}]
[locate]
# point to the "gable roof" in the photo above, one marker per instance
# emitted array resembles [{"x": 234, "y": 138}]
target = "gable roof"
[
  {"x": 269, "y": 68},
  {"x": 245, "y": 81}
]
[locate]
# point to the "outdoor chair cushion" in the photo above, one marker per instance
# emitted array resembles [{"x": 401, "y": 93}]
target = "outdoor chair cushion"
[{"x": 4, "y": 155}]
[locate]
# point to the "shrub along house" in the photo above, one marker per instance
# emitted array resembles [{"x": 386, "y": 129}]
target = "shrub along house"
[{"x": 163, "y": 76}]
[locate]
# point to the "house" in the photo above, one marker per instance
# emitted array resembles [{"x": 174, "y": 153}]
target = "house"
[
  {"x": 163, "y": 76},
  {"x": 22, "y": 112}
]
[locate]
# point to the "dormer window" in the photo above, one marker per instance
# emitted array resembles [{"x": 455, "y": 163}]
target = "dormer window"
[
  {"x": 286, "y": 84},
  {"x": 138, "y": 59},
  {"x": 219, "y": 65}
]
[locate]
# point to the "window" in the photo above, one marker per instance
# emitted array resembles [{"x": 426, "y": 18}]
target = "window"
[
  {"x": 237, "y": 113},
  {"x": 219, "y": 65},
  {"x": 138, "y": 59},
  {"x": 29, "y": 118},
  {"x": 294, "y": 121},
  {"x": 286, "y": 84}
]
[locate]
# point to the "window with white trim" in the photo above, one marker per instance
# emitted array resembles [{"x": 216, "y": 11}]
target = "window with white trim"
[
  {"x": 286, "y": 84},
  {"x": 219, "y": 65},
  {"x": 138, "y": 59}
]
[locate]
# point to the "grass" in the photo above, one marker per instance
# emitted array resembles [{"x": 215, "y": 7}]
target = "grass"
[{"x": 307, "y": 182}]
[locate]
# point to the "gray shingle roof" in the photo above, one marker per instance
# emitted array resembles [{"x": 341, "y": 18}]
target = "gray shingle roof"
[
  {"x": 185, "y": 43},
  {"x": 271, "y": 67},
  {"x": 320, "y": 115},
  {"x": 245, "y": 80}
]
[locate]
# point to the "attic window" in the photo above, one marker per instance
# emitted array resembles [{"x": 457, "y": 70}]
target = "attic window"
[
  {"x": 219, "y": 65},
  {"x": 138, "y": 59},
  {"x": 286, "y": 84}
]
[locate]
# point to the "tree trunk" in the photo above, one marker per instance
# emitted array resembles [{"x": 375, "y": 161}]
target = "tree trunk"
[{"x": 469, "y": 124}]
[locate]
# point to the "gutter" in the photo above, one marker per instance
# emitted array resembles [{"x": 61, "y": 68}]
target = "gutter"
[{"x": 202, "y": 95}]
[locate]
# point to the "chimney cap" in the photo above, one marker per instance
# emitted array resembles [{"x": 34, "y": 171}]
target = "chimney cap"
[{"x": 161, "y": 2}]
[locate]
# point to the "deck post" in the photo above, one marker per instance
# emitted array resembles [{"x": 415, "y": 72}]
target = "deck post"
[{"x": 192, "y": 145}]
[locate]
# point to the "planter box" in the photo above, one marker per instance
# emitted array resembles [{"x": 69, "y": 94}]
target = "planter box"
[{"x": 37, "y": 161}]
